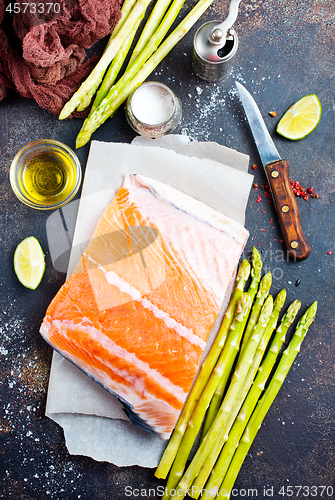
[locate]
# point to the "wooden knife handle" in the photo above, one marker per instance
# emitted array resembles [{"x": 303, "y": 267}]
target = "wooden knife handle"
[{"x": 287, "y": 209}]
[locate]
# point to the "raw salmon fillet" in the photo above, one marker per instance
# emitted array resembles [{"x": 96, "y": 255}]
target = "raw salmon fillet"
[{"x": 137, "y": 311}]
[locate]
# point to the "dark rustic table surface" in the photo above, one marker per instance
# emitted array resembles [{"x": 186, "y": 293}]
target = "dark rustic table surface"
[{"x": 286, "y": 50}]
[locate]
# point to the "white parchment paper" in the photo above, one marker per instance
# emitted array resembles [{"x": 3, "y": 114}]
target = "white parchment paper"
[{"x": 93, "y": 421}]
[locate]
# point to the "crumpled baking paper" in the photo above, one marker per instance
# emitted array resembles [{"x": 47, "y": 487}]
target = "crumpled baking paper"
[{"x": 93, "y": 420}]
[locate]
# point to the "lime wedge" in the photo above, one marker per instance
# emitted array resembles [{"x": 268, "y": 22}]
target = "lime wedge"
[
  {"x": 29, "y": 262},
  {"x": 301, "y": 118}
]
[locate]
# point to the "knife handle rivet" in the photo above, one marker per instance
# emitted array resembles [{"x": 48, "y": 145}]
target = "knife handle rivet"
[
  {"x": 294, "y": 244},
  {"x": 275, "y": 174},
  {"x": 285, "y": 208}
]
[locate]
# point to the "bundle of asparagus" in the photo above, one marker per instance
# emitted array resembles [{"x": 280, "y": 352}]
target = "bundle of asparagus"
[
  {"x": 231, "y": 388},
  {"x": 148, "y": 53}
]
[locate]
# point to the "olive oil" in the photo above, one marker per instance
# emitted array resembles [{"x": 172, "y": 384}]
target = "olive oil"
[
  {"x": 48, "y": 177},
  {"x": 45, "y": 174}
]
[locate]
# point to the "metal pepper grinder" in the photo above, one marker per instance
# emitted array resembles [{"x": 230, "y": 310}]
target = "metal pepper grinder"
[{"x": 215, "y": 45}]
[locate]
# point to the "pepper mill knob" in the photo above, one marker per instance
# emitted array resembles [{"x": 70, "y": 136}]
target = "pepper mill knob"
[{"x": 217, "y": 35}]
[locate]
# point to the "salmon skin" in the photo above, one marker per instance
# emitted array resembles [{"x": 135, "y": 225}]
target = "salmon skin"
[{"x": 136, "y": 313}]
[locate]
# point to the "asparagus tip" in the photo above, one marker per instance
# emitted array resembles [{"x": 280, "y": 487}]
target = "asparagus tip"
[
  {"x": 244, "y": 270},
  {"x": 265, "y": 284},
  {"x": 291, "y": 313},
  {"x": 80, "y": 141},
  {"x": 309, "y": 316},
  {"x": 280, "y": 299},
  {"x": 294, "y": 307},
  {"x": 64, "y": 113},
  {"x": 243, "y": 306},
  {"x": 266, "y": 309},
  {"x": 257, "y": 263}
]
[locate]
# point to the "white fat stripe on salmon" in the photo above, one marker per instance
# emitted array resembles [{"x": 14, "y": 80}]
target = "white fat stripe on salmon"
[
  {"x": 187, "y": 204},
  {"x": 64, "y": 326},
  {"x": 198, "y": 233},
  {"x": 124, "y": 286},
  {"x": 159, "y": 414}
]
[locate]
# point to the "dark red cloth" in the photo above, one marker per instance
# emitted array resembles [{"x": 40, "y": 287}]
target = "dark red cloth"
[{"x": 47, "y": 62}]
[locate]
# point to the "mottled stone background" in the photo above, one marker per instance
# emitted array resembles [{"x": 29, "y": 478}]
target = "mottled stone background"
[{"x": 286, "y": 50}]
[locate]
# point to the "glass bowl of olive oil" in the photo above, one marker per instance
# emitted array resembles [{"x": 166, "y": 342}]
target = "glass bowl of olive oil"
[{"x": 45, "y": 174}]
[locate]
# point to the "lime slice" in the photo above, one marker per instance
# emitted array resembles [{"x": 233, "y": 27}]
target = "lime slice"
[
  {"x": 29, "y": 262},
  {"x": 301, "y": 118}
]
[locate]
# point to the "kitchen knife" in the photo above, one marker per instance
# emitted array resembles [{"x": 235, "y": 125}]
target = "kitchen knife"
[{"x": 277, "y": 172}]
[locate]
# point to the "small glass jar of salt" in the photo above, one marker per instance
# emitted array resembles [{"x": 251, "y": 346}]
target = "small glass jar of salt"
[{"x": 153, "y": 109}]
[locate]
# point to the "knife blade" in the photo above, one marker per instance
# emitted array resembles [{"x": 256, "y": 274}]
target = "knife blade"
[{"x": 277, "y": 172}]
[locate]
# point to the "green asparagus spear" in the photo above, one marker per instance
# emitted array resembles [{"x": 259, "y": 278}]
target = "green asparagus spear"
[
  {"x": 267, "y": 399},
  {"x": 255, "y": 312},
  {"x": 109, "y": 91},
  {"x": 229, "y": 351},
  {"x": 114, "y": 69},
  {"x": 222, "y": 464},
  {"x": 218, "y": 395},
  {"x": 125, "y": 11},
  {"x": 256, "y": 269},
  {"x": 238, "y": 379},
  {"x": 206, "y": 469},
  {"x": 204, "y": 374},
  {"x": 262, "y": 293},
  {"x": 138, "y": 73},
  {"x": 92, "y": 82},
  {"x": 151, "y": 25},
  {"x": 126, "y": 8}
]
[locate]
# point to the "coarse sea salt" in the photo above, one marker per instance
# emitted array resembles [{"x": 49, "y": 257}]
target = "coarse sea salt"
[{"x": 152, "y": 104}]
